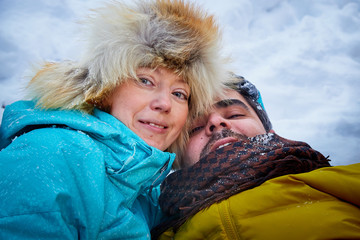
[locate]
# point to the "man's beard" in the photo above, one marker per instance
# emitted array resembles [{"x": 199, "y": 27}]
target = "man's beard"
[{"x": 219, "y": 135}]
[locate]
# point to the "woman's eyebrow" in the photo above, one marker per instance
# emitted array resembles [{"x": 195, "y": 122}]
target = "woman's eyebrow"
[{"x": 229, "y": 102}]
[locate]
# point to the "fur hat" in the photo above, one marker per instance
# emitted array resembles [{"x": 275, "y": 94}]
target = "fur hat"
[{"x": 121, "y": 38}]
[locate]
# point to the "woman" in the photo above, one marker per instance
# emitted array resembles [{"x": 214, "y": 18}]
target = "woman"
[{"x": 85, "y": 158}]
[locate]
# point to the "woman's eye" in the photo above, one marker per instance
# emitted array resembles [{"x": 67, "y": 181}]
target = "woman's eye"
[
  {"x": 145, "y": 81},
  {"x": 196, "y": 129},
  {"x": 181, "y": 95}
]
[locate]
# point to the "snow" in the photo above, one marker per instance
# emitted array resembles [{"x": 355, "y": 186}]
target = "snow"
[
  {"x": 263, "y": 139},
  {"x": 304, "y": 57}
]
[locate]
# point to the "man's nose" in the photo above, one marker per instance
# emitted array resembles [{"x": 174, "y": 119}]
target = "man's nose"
[
  {"x": 216, "y": 123},
  {"x": 161, "y": 102}
]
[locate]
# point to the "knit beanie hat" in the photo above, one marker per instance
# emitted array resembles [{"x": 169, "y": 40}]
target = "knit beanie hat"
[{"x": 252, "y": 96}]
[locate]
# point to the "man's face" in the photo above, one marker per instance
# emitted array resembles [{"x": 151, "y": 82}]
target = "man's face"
[{"x": 230, "y": 120}]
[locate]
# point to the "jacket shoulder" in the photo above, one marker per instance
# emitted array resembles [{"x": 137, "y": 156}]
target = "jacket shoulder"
[
  {"x": 321, "y": 204},
  {"x": 45, "y": 162}
]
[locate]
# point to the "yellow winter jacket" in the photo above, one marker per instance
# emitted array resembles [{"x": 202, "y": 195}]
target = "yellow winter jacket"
[{"x": 322, "y": 204}]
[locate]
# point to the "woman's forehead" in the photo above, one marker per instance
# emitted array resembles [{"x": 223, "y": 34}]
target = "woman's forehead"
[{"x": 161, "y": 71}]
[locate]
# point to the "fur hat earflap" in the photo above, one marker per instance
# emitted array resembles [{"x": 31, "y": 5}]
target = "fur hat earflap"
[{"x": 61, "y": 86}]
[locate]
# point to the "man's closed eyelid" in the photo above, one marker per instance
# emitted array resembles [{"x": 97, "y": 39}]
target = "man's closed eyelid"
[
  {"x": 196, "y": 129},
  {"x": 236, "y": 116}
]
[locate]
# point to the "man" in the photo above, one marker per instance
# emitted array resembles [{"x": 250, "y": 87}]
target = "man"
[
  {"x": 239, "y": 180},
  {"x": 240, "y": 114}
]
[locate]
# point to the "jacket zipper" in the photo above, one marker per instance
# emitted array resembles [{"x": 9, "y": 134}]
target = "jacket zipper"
[{"x": 229, "y": 225}]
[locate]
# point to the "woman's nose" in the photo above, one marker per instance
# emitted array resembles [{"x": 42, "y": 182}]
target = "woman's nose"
[
  {"x": 215, "y": 123},
  {"x": 161, "y": 102}
]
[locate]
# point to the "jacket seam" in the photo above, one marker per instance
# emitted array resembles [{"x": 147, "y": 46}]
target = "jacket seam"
[
  {"x": 287, "y": 206},
  {"x": 29, "y": 213}
]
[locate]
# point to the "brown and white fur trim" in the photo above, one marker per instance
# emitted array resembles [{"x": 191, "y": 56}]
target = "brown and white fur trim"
[{"x": 121, "y": 38}]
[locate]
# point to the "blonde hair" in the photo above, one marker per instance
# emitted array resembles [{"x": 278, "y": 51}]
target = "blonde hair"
[{"x": 122, "y": 38}]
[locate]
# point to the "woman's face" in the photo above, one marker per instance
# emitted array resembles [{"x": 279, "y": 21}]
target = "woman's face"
[{"x": 155, "y": 108}]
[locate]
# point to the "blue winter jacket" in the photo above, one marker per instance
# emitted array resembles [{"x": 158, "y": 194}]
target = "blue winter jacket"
[{"x": 70, "y": 175}]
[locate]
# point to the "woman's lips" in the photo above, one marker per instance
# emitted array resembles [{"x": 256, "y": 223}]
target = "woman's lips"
[{"x": 154, "y": 126}]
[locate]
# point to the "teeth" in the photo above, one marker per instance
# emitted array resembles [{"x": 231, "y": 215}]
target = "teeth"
[
  {"x": 155, "y": 125},
  {"x": 224, "y": 145}
]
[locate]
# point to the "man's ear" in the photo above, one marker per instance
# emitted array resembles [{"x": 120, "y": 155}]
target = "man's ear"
[{"x": 272, "y": 131}]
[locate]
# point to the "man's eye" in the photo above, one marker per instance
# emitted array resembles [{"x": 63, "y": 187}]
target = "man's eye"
[
  {"x": 181, "y": 95},
  {"x": 196, "y": 129},
  {"x": 235, "y": 116}
]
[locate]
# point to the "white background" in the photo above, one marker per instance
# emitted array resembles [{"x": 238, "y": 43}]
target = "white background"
[{"x": 303, "y": 55}]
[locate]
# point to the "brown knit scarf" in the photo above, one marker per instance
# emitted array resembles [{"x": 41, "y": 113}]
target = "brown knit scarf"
[{"x": 232, "y": 169}]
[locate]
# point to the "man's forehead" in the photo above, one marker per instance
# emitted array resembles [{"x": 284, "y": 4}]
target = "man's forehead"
[{"x": 232, "y": 97}]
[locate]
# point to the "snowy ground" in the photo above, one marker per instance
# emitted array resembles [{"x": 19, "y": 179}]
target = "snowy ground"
[{"x": 304, "y": 56}]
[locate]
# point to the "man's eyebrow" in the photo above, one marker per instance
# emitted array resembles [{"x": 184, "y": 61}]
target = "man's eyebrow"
[{"x": 229, "y": 102}]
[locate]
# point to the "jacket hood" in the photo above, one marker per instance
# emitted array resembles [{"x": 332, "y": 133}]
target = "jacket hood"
[{"x": 23, "y": 116}]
